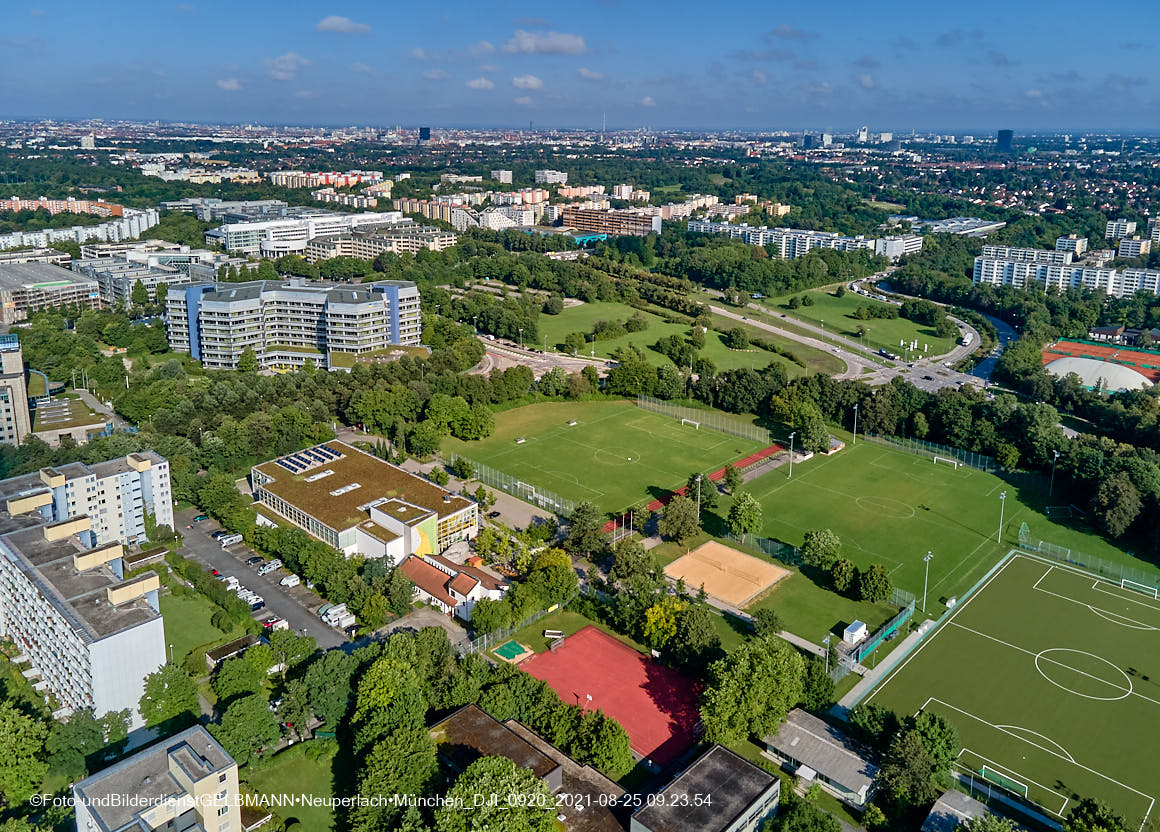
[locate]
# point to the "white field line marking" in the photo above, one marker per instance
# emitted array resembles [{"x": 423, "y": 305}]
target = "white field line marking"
[{"x": 1017, "y": 776}]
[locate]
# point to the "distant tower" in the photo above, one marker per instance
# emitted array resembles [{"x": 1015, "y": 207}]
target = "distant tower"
[
  {"x": 1003, "y": 140},
  {"x": 424, "y": 134},
  {"x": 863, "y": 134}
]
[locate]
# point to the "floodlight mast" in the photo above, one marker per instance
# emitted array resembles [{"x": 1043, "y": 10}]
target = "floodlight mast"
[{"x": 791, "y": 436}]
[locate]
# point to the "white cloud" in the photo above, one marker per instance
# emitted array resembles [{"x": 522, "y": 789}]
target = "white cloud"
[
  {"x": 590, "y": 74},
  {"x": 759, "y": 76},
  {"x": 342, "y": 25},
  {"x": 1034, "y": 94},
  {"x": 306, "y": 94},
  {"x": 865, "y": 80},
  {"x": 489, "y": 68},
  {"x": 527, "y": 82},
  {"x": 434, "y": 74},
  {"x": 420, "y": 54},
  {"x": 524, "y": 101},
  {"x": 478, "y": 50},
  {"x": 285, "y": 67},
  {"x": 480, "y": 84},
  {"x": 359, "y": 66},
  {"x": 546, "y": 43},
  {"x": 229, "y": 84},
  {"x": 820, "y": 88},
  {"x": 648, "y": 101}
]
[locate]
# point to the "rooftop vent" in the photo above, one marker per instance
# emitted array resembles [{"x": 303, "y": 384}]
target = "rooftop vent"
[
  {"x": 447, "y": 498},
  {"x": 338, "y": 492}
]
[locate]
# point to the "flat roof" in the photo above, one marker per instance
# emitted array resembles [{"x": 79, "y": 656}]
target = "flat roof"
[
  {"x": 145, "y": 775},
  {"x": 469, "y": 734},
  {"x": 951, "y": 811},
  {"x": 21, "y": 275},
  {"x": 733, "y": 782},
  {"x": 825, "y": 749},
  {"x": 333, "y": 502}
]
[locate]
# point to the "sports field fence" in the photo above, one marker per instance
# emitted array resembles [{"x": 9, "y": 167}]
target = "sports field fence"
[
  {"x": 890, "y": 628},
  {"x": 488, "y": 640},
  {"x": 710, "y": 419},
  {"x": 933, "y": 450},
  {"x": 516, "y": 487},
  {"x": 1109, "y": 570}
]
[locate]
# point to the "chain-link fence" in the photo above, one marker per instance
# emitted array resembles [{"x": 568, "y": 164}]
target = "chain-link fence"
[
  {"x": 525, "y": 491},
  {"x": 701, "y": 419},
  {"x": 488, "y": 640},
  {"x": 887, "y": 630},
  {"x": 1106, "y": 569},
  {"x": 933, "y": 450}
]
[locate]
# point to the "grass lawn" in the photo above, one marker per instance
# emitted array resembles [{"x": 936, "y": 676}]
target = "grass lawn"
[
  {"x": 554, "y": 328},
  {"x": 1050, "y": 678},
  {"x": 837, "y": 314},
  {"x": 187, "y": 626},
  {"x": 292, "y": 772},
  {"x": 892, "y": 507},
  {"x": 567, "y": 622},
  {"x": 816, "y": 361},
  {"x": 617, "y": 455}
]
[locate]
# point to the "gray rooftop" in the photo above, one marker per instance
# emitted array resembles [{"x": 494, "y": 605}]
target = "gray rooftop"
[
  {"x": 20, "y": 275},
  {"x": 146, "y": 775},
  {"x": 825, "y": 749},
  {"x": 334, "y": 292},
  {"x": 951, "y": 810},
  {"x": 733, "y": 782}
]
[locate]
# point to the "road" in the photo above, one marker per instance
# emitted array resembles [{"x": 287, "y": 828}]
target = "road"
[
  {"x": 503, "y": 354},
  {"x": 1007, "y": 334},
  {"x": 296, "y": 604}
]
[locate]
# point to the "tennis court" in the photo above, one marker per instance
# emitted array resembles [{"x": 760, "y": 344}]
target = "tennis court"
[
  {"x": 726, "y": 574},
  {"x": 1052, "y": 679},
  {"x": 656, "y": 705}
]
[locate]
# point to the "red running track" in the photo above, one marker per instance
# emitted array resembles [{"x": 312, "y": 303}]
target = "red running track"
[
  {"x": 716, "y": 476},
  {"x": 657, "y": 706}
]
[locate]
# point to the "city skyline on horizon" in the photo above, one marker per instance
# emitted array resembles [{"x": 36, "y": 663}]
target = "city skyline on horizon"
[{"x": 636, "y": 65}]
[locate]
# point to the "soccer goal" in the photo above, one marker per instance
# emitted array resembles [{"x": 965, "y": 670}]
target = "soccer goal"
[
  {"x": 1003, "y": 781},
  {"x": 1060, "y": 511},
  {"x": 696, "y": 425},
  {"x": 1135, "y": 586},
  {"x": 946, "y": 460}
]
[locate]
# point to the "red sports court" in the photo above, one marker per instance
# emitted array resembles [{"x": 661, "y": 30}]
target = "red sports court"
[{"x": 656, "y": 706}]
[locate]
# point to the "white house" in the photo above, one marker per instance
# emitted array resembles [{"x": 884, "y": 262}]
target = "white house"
[{"x": 451, "y": 587}]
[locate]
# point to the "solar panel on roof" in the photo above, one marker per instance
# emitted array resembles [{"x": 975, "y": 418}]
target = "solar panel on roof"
[{"x": 325, "y": 451}]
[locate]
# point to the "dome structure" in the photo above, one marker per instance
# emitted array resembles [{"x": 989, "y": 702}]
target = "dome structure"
[{"x": 1105, "y": 375}]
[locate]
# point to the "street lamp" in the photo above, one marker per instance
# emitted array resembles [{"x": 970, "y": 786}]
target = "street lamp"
[
  {"x": 698, "y": 499},
  {"x": 926, "y": 580},
  {"x": 826, "y": 645},
  {"x": 475, "y": 324},
  {"x": 1002, "y": 505},
  {"x": 855, "y": 442},
  {"x": 791, "y": 436},
  {"x": 1051, "y": 489},
  {"x": 521, "y": 337}
]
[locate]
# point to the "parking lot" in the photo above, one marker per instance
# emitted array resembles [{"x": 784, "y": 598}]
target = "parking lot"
[{"x": 297, "y": 605}]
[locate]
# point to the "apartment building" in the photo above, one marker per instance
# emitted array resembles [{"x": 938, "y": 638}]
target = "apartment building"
[
  {"x": 186, "y": 782},
  {"x": 117, "y": 267},
  {"x": 1119, "y": 228},
  {"x": 427, "y": 208},
  {"x": 30, "y": 287},
  {"x": 130, "y": 224},
  {"x": 1060, "y": 277},
  {"x": 89, "y": 635},
  {"x": 36, "y": 255},
  {"x": 592, "y": 221},
  {"x": 404, "y": 238},
  {"x": 1134, "y": 247},
  {"x": 793, "y": 242},
  {"x": 278, "y": 237},
  {"x": 504, "y": 177},
  {"x": 63, "y": 206},
  {"x": 343, "y": 198},
  {"x": 360, "y": 504},
  {"x": 287, "y": 322},
  {"x": 495, "y": 220},
  {"x": 551, "y": 177},
  {"x": 15, "y": 421},
  {"x": 1057, "y": 257},
  {"x": 212, "y": 209},
  {"x": 299, "y": 179},
  {"x": 1074, "y": 243}
]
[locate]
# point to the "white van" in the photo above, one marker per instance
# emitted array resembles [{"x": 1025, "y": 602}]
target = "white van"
[
  {"x": 229, "y": 540},
  {"x": 291, "y": 580}
]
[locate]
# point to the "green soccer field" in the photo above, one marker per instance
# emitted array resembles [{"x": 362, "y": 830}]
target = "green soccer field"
[
  {"x": 1052, "y": 679},
  {"x": 617, "y": 455},
  {"x": 892, "y": 507}
]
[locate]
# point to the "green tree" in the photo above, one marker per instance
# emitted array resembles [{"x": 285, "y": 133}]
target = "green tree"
[
  {"x": 402, "y": 762},
  {"x": 732, "y": 479},
  {"x": 820, "y": 548},
  {"x": 800, "y": 815},
  {"x": 744, "y": 515},
  {"x": 875, "y": 724},
  {"x": 139, "y": 296},
  {"x": 907, "y": 772},
  {"x": 660, "y": 621},
  {"x": 707, "y": 490},
  {"x": 22, "y": 763},
  {"x": 874, "y": 583},
  {"x": 737, "y": 339},
  {"x": 462, "y": 468},
  {"x": 1117, "y": 504},
  {"x": 750, "y": 691},
  {"x": 989, "y": 823},
  {"x": 489, "y": 615},
  {"x": 679, "y": 519},
  {"x": 490, "y": 780},
  {"x": 767, "y": 623},
  {"x": 1092, "y": 816},
  {"x": 328, "y": 685},
  {"x": 631, "y": 560},
  {"x": 585, "y": 531},
  {"x": 940, "y": 739},
  {"x": 237, "y": 677},
  {"x": 169, "y": 694},
  {"x": 574, "y": 342},
  {"x": 248, "y": 361},
  {"x": 843, "y": 574},
  {"x": 1007, "y": 455},
  {"x": 817, "y": 686},
  {"x": 246, "y": 727}
]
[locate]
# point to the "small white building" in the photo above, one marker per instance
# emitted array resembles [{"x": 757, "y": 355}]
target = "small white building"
[{"x": 452, "y": 587}]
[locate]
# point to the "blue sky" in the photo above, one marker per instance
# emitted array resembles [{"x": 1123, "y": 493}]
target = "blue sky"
[{"x": 756, "y": 65}]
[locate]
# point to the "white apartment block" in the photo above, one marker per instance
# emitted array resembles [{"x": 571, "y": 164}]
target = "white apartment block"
[
  {"x": 288, "y": 322},
  {"x": 1058, "y": 257},
  {"x": 132, "y": 224},
  {"x": 495, "y": 219},
  {"x": 277, "y": 237},
  {"x": 1134, "y": 247},
  {"x": 342, "y": 198},
  {"x": 504, "y": 177},
  {"x": 1119, "y": 228},
  {"x": 89, "y": 635},
  {"x": 1060, "y": 277},
  {"x": 186, "y": 782},
  {"x": 406, "y": 238},
  {"x": 551, "y": 177},
  {"x": 792, "y": 242},
  {"x": 1072, "y": 242}
]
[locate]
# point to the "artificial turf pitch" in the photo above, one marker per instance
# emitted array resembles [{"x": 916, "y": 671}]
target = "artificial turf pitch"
[
  {"x": 616, "y": 455},
  {"x": 1052, "y": 679}
]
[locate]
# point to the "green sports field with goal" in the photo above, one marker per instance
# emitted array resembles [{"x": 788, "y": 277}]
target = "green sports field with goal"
[
  {"x": 616, "y": 455},
  {"x": 1052, "y": 678}
]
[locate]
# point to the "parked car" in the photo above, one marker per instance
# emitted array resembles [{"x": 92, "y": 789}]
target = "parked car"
[
  {"x": 254, "y": 561},
  {"x": 219, "y": 534},
  {"x": 291, "y": 580},
  {"x": 257, "y": 605},
  {"x": 200, "y": 517}
]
